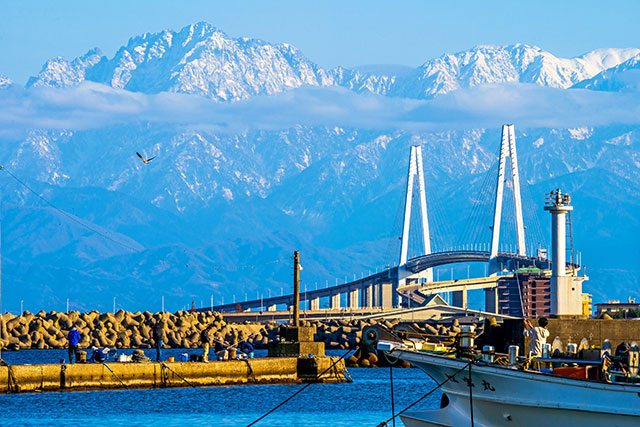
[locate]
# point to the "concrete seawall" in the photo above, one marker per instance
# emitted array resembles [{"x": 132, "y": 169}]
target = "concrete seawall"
[
  {"x": 95, "y": 376},
  {"x": 594, "y": 330}
]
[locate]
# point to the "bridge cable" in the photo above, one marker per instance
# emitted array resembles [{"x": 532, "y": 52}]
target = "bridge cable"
[
  {"x": 392, "y": 241},
  {"x": 477, "y": 218},
  {"x": 479, "y": 201}
]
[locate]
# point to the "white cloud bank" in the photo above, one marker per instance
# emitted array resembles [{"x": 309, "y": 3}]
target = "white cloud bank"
[{"x": 91, "y": 106}]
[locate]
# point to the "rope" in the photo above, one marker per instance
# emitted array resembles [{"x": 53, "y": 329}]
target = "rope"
[
  {"x": 470, "y": 395},
  {"x": 347, "y": 375},
  {"x": 251, "y": 374},
  {"x": 515, "y": 273},
  {"x": 393, "y": 410},
  {"x": 424, "y": 396},
  {"x": 299, "y": 391},
  {"x": 13, "y": 383},
  {"x": 164, "y": 365},
  {"x": 114, "y": 374},
  {"x": 68, "y": 215},
  {"x": 124, "y": 245}
]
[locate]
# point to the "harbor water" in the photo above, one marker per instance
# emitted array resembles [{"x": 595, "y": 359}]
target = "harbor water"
[{"x": 366, "y": 401}]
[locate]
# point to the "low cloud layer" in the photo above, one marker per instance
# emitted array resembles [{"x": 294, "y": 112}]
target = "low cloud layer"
[{"x": 91, "y": 106}]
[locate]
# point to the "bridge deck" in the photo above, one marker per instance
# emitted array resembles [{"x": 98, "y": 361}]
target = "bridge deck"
[{"x": 414, "y": 265}]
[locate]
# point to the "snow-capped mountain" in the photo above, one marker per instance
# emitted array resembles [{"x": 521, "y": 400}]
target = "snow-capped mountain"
[
  {"x": 59, "y": 72},
  {"x": 503, "y": 64},
  {"x": 485, "y": 65},
  {"x": 188, "y": 223},
  {"x": 5, "y": 81},
  {"x": 200, "y": 59},
  {"x": 623, "y": 77}
]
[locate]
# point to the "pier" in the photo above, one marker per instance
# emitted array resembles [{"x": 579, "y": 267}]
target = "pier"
[{"x": 110, "y": 376}]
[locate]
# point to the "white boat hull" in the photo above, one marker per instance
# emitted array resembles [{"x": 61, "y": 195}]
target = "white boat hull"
[{"x": 509, "y": 397}]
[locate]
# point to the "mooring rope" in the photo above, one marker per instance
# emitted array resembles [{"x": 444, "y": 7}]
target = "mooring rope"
[
  {"x": 300, "y": 390},
  {"x": 393, "y": 408},
  {"x": 13, "y": 383},
  {"x": 114, "y": 374},
  {"x": 470, "y": 395},
  {"x": 251, "y": 374},
  {"x": 164, "y": 365},
  {"x": 424, "y": 396}
]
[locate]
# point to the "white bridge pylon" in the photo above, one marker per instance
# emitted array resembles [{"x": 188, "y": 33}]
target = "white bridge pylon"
[
  {"x": 415, "y": 170},
  {"x": 507, "y": 149}
]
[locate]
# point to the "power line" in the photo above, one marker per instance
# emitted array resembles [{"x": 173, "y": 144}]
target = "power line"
[
  {"x": 68, "y": 215},
  {"x": 98, "y": 232}
]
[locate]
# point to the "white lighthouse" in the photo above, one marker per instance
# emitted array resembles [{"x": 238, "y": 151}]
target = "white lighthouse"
[{"x": 566, "y": 293}]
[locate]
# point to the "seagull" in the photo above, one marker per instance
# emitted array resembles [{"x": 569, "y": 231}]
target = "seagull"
[{"x": 145, "y": 161}]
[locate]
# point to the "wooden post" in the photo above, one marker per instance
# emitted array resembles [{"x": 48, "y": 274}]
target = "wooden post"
[{"x": 296, "y": 288}]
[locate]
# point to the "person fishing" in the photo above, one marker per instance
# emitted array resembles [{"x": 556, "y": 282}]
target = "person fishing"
[
  {"x": 205, "y": 339},
  {"x": 621, "y": 359},
  {"x": 157, "y": 339},
  {"x": 99, "y": 356},
  {"x": 537, "y": 336},
  {"x": 492, "y": 335},
  {"x": 220, "y": 349},
  {"x": 246, "y": 348},
  {"x": 74, "y": 341}
]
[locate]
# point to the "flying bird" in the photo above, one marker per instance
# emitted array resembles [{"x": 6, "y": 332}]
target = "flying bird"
[{"x": 145, "y": 161}]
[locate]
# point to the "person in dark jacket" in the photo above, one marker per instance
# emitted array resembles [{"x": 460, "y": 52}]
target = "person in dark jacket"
[
  {"x": 98, "y": 356},
  {"x": 222, "y": 353},
  {"x": 492, "y": 335},
  {"x": 205, "y": 338},
  {"x": 74, "y": 341},
  {"x": 157, "y": 338},
  {"x": 246, "y": 348}
]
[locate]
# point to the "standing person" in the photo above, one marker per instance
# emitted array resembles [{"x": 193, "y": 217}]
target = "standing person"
[
  {"x": 74, "y": 341},
  {"x": 537, "y": 336},
  {"x": 157, "y": 339},
  {"x": 205, "y": 338},
  {"x": 492, "y": 335}
]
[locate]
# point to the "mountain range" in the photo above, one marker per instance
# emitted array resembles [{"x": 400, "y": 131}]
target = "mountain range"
[{"x": 217, "y": 214}]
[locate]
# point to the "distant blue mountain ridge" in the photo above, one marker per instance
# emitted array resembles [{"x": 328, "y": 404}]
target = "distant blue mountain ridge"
[{"x": 217, "y": 214}]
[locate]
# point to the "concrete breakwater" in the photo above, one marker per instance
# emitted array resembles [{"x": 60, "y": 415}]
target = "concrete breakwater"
[
  {"x": 97, "y": 376},
  {"x": 115, "y": 330},
  {"x": 179, "y": 330}
]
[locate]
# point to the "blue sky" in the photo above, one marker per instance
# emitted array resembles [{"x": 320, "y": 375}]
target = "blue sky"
[{"x": 347, "y": 33}]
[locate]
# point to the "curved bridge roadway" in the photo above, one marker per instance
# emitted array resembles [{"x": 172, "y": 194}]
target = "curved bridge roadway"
[{"x": 414, "y": 265}]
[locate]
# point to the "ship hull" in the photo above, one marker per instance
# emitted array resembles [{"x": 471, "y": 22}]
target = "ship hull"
[{"x": 509, "y": 397}]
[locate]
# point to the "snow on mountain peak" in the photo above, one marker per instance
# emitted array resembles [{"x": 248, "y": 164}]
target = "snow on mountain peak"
[
  {"x": 198, "y": 59},
  {"x": 201, "y": 59},
  {"x": 60, "y": 72},
  {"x": 623, "y": 77},
  {"x": 486, "y": 64},
  {"x": 5, "y": 82}
]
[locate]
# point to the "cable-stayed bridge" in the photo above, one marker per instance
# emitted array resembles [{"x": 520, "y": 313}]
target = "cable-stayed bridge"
[{"x": 411, "y": 280}]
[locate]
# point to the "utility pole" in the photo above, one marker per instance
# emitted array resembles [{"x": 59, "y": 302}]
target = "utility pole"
[
  {"x": 2, "y": 327},
  {"x": 296, "y": 288}
]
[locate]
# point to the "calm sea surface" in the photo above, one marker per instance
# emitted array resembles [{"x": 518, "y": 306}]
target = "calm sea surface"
[{"x": 365, "y": 402}]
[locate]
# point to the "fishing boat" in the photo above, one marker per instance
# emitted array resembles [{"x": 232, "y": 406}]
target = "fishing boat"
[{"x": 477, "y": 392}]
